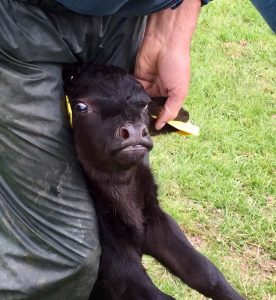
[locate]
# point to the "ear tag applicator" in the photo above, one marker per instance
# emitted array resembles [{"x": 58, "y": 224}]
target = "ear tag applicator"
[
  {"x": 183, "y": 128},
  {"x": 69, "y": 111}
]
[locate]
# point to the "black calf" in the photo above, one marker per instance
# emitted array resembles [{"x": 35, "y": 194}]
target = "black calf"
[{"x": 110, "y": 122}]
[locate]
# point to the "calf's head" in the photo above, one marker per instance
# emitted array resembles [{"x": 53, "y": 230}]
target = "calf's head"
[{"x": 110, "y": 118}]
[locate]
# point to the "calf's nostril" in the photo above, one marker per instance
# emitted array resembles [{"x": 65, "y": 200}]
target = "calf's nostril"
[
  {"x": 145, "y": 132},
  {"x": 123, "y": 133}
]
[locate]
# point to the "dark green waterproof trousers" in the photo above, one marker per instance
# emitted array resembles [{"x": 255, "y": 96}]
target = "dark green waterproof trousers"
[{"x": 49, "y": 248}]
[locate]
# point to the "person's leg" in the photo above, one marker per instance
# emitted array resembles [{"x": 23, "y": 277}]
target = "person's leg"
[
  {"x": 268, "y": 10},
  {"x": 48, "y": 231},
  {"x": 49, "y": 247},
  {"x": 48, "y": 236}
]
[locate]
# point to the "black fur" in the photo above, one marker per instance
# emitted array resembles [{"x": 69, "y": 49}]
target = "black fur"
[{"x": 111, "y": 139}]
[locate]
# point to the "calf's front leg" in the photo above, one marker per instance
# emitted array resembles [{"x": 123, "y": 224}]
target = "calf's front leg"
[
  {"x": 165, "y": 241},
  {"x": 122, "y": 276}
]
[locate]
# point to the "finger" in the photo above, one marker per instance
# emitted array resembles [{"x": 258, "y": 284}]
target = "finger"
[
  {"x": 151, "y": 88},
  {"x": 145, "y": 83},
  {"x": 169, "y": 112}
]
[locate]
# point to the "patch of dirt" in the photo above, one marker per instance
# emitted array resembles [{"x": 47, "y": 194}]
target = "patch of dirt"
[
  {"x": 268, "y": 266},
  {"x": 253, "y": 250},
  {"x": 270, "y": 199},
  {"x": 235, "y": 49},
  {"x": 268, "y": 211},
  {"x": 196, "y": 241},
  {"x": 260, "y": 264}
]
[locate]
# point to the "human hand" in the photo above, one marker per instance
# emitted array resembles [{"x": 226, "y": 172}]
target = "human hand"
[
  {"x": 163, "y": 61},
  {"x": 164, "y": 71}
]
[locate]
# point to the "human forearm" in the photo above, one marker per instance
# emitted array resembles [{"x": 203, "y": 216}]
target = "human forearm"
[{"x": 174, "y": 27}]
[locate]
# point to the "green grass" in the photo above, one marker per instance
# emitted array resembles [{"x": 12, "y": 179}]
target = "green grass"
[{"x": 220, "y": 186}]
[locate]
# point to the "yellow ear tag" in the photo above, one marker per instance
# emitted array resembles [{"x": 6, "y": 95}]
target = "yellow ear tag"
[
  {"x": 183, "y": 128},
  {"x": 69, "y": 111}
]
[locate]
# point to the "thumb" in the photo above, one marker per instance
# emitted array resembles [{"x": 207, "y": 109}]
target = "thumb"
[{"x": 169, "y": 111}]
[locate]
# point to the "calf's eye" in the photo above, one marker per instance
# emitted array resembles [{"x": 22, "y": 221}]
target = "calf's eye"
[{"x": 81, "y": 107}]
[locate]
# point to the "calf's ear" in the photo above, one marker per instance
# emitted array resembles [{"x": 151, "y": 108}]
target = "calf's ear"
[
  {"x": 155, "y": 107},
  {"x": 74, "y": 70}
]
